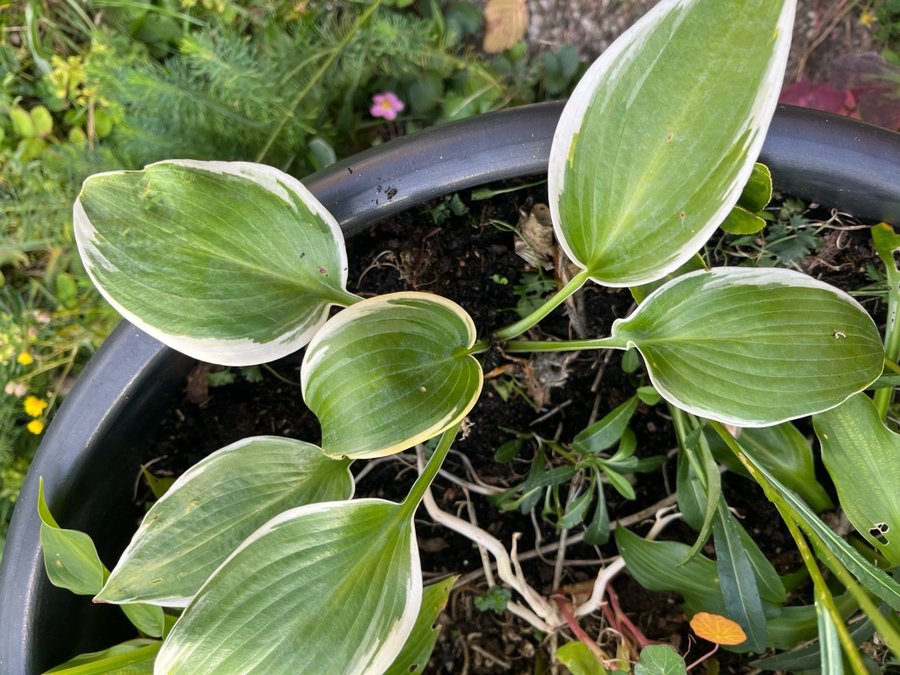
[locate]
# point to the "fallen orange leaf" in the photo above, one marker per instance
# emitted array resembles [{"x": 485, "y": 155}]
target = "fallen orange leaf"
[
  {"x": 718, "y": 629},
  {"x": 505, "y": 22}
]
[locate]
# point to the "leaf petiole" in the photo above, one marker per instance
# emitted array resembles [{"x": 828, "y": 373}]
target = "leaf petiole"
[{"x": 541, "y": 312}]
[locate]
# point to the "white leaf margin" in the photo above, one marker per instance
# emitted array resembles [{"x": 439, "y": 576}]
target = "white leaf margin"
[
  {"x": 790, "y": 278},
  {"x": 242, "y": 352},
  {"x": 316, "y": 351},
  {"x": 617, "y": 56},
  {"x": 192, "y": 473},
  {"x": 378, "y": 657}
]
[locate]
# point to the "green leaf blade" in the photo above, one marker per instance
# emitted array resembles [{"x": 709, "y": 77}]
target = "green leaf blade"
[
  {"x": 863, "y": 458},
  {"x": 634, "y": 195},
  {"x": 390, "y": 372},
  {"x": 214, "y": 507},
  {"x": 70, "y": 557},
  {"x": 229, "y": 262},
  {"x": 417, "y": 650},
  {"x": 324, "y": 588},
  {"x": 754, "y": 347},
  {"x": 738, "y": 581}
]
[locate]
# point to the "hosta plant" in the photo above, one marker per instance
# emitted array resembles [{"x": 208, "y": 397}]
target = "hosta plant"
[{"x": 259, "y": 559}]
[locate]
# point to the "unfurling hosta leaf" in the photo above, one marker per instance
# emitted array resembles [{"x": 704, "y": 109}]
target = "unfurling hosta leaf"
[
  {"x": 324, "y": 588},
  {"x": 390, "y": 372},
  {"x": 754, "y": 347},
  {"x": 660, "y": 136},
  {"x": 863, "y": 457},
  {"x": 70, "y": 556},
  {"x": 215, "y": 506},
  {"x": 229, "y": 262}
]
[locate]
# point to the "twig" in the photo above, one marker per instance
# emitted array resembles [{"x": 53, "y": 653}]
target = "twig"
[{"x": 485, "y": 560}]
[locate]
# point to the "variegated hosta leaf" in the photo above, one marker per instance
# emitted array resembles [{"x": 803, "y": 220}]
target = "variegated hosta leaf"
[
  {"x": 754, "y": 347},
  {"x": 325, "y": 588},
  {"x": 390, "y": 372},
  {"x": 215, "y": 506},
  {"x": 863, "y": 458},
  {"x": 229, "y": 262},
  {"x": 661, "y": 134}
]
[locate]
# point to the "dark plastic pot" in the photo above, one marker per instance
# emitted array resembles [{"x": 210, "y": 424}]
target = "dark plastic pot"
[{"x": 92, "y": 450}]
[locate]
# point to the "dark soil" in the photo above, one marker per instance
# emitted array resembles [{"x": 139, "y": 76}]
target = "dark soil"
[{"x": 470, "y": 258}]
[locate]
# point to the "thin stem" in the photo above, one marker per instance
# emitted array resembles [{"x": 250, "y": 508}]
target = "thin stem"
[
  {"x": 886, "y": 250},
  {"x": 319, "y": 74},
  {"x": 831, "y": 561},
  {"x": 535, "y": 317},
  {"x": 823, "y": 595},
  {"x": 529, "y": 346},
  {"x": 893, "y": 367},
  {"x": 703, "y": 658},
  {"x": 423, "y": 482}
]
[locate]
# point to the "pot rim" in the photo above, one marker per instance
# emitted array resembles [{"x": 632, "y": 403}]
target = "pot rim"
[{"x": 816, "y": 156}]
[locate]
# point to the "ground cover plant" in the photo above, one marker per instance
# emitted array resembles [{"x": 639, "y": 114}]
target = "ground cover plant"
[
  {"x": 655, "y": 150},
  {"x": 93, "y": 86}
]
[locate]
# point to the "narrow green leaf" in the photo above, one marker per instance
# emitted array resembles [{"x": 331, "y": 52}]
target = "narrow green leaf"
[
  {"x": 577, "y": 510},
  {"x": 661, "y": 134},
  {"x": 158, "y": 486},
  {"x": 417, "y": 650},
  {"x": 786, "y": 453},
  {"x": 215, "y": 506},
  {"x": 620, "y": 483},
  {"x": 134, "y": 657},
  {"x": 229, "y": 262},
  {"x": 149, "y": 619},
  {"x": 771, "y": 587},
  {"x": 876, "y": 581},
  {"x": 660, "y": 660},
  {"x": 70, "y": 557},
  {"x": 579, "y": 659},
  {"x": 692, "y": 498},
  {"x": 831, "y": 658},
  {"x": 625, "y": 451},
  {"x": 754, "y": 347},
  {"x": 757, "y": 193},
  {"x": 863, "y": 458},
  {"x": 808, "y": 657},
  {"x": 668, "y": 566},
  {"x": 597, "y": 531},
  {"x": 605, "y": 433},
  {"x": 702, "y": 465},
  {"x": 738, "y": 580},
  {"x": 741, "y": 221},
  {"x": 324, "y": 588},
  {"x": 390, "y": 372}
]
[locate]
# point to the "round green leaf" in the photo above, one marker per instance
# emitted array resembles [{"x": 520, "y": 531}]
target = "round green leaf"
[
  {"x": 391, "y": 372},
  {"x": 754, "y": 347},
  {"x": 229, "y": 262},
  {"x": 324, "y": 588},
  {"x": 215, "y": 506},
  {"x": 660, "y": 136}
]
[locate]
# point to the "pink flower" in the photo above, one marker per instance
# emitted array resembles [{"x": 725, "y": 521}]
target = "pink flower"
[{"x": 386, "y": 105}]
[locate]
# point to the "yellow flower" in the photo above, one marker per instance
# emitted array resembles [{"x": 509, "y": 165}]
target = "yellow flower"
[
  {"x": 867, "y": 18},
  {"x": 35, "y": 427},
  {"x": 25, "y": 359},
  {"x": 34, "y": 406}
]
